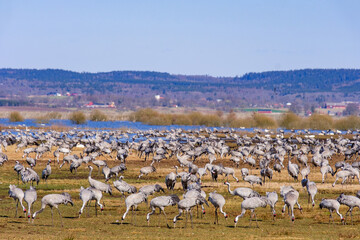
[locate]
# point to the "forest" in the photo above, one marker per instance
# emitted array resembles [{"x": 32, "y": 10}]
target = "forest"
[{"x": 132, "y": 89}]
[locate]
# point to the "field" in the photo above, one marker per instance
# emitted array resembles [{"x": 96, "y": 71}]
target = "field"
[{"x": 313, "y": 223}]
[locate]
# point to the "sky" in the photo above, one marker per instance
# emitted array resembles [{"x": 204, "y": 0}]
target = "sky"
[{"x": 193, "y": 37}]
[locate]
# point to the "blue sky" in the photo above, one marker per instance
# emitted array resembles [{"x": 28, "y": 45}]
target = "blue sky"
[{"x": 219, "y": 38}]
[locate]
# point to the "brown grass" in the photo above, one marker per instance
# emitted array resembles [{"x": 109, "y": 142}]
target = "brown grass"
[{"x": 312, "y": 224}]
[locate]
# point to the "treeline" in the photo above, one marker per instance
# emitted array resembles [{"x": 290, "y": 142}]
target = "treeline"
[{"x": 219, "y": 119}]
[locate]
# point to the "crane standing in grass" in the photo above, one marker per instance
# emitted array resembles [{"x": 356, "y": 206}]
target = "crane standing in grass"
[
  {"x": 162, "y": 202},
  {"x": 218, "y": 201},
  {"x": 53, "y": 201}
]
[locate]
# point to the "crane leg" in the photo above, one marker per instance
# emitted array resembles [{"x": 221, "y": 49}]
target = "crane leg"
[
  {"x": 186, "y": 218},
  {"x": 256, "y": 220},
  {"x": 95, "y": 209},
  {"x": 17, "y": 204},
  {"x": 191, "y": 219},
  {"x": 62, "y": 224},
  {"x": 52, "y": 216}
]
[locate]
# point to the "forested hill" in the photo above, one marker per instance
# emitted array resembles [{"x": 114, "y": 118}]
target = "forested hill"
[
  {"x": 307, "y": 80},
  {"x": 133, "y": 89}
]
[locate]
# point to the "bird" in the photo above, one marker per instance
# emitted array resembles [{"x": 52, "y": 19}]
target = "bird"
[
  {"x": 47, "y": 171},
  {"x": 218, "y": 201},
  {"x": 186, "y": 205},
  {"x": 324, "y": 170},
  {"x": 18, "y": 168},
  {"x": 30, "y": 196},
  {"x": 106, "y": 172},
  {"x": 161, "y": 202},
  {"x": 351, "y": 202},
  {"x": 273, "y": 198},
  {"x": 242, "y": 192},
  {"x": 88, "y": 194},
  {"x": 229, "y": 171},
  {"x": 193, "y": 193},
  {"x": 251, "y": 204},
  {"x": 99, "y": 163},
  {"x": 29, "y": 175},
  {"x": 290, "y": 199},
  {"x": 266, "y": 173},
  {"x": 75, "y": 165},
  {"x": 305, "y": 172},
  {"x": 124, "y": 187},
  {"x": 170, "y": 181},
  {"x": 97, "y": 184},
  {"x": 147, "y": 170},
  {"x": 244, "y": 172},
  {"x": 132, "y": 201},
  {"x": 332, "y": 205},
  {"x": 31, "y": 161},
  {"x": 293, "y": 170},
  {"x": 18, "y": 195},
  {"x": 344, "y": 175},
  {"x": 54, "y": 200},
  {"x": 150, "y": 189},
  {"x": 311, "y": 189},
  {"x": 252, "y": 179}
]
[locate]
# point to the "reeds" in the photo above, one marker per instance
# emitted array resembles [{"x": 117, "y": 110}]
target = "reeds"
[
  {"x": 77, "y": 117},
  {"x": 15, "y": 117}
]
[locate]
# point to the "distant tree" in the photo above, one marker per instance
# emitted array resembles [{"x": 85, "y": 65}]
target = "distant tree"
[
  {"x": 295, "y": 108},
  {"x": 351, "y": 109},
  {"x": 78, "y": 117}
]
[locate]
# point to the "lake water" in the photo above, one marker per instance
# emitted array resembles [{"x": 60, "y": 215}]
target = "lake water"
[{"x": 111, "y": 125}]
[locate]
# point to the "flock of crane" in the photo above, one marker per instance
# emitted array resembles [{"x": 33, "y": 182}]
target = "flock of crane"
[{"x": 264, "y": 152}]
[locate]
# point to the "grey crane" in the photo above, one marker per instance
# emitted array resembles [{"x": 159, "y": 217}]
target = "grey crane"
[
  {"x": 124, "y": 187},
  {"x": 31, "y": 161},
  {"x": 229, "y": 171},
  {"x": 132, "y": 201},
  {"x": 30, "y": 197},
  {"x": 147, "y": 170},
  {"x": 18, "y": 168},
  {"x": 293, "y": 170},
  {"x": 305, "y": 172},
  {"x": 325, "y": 169},
  {"x": 106, "y": 172},
  {"x": 242, "y": 192},
  {"x": 162, "y": 202},
  {"x": 218, "y": 201},
  {"x": 290, "y": 199},
  {"x": 273, "y": 198},
  {"x": 311, "y": 190},
  {"x": 251, "y": 204},
  {"x": 29, "y": 175},
  {"x": 186, "y": 205},
  {"x": 97, "y": 184},
  {"x": 170, "y": 180},
  {"x": 88, "y": 194},
  {"x": 18, "y": 195},
  {"x": 150, "y": 189},
  {"x": 46, "y": 172},
  {"x": 99, "y": 163},
  {"x": 252, "y": 179},
  {"x": 351, "y": 202},
  {"x": 244, "y": 172},
  {"x": 54, "y": 200},
  {"x": 332, "y": 205},
  {"x": 193, "y": 193},
  {"x": 114, "y": 171},
  {"x": 74, "y": 165},
  {"x": 344, "y": 175}
]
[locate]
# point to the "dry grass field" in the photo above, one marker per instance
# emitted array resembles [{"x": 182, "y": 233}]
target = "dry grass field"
[{"x": 313, "y": 223}]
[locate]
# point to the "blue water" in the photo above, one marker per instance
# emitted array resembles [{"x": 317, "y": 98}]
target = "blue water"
[
  {"x": 114, "y": 125},
  {"x": 95, "y": 125}
]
